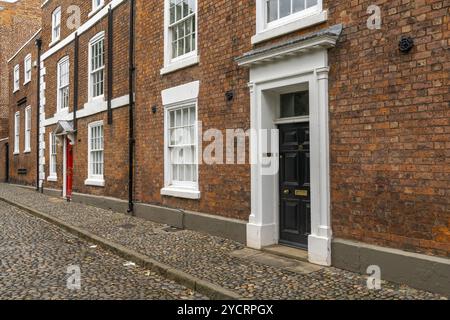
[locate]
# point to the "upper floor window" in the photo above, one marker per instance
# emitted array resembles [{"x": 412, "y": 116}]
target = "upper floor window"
[
  {"x": 180, "y": 34},
  {"x": 96, "y": 66},
  {"x": 16, "y": 78},
  {"x": 278, "y": 17},
  {"x": 17, "y": 132},
  {"x": 97, "y": 4},
  {"x": 27, "y": 129},
  {"x": 56, "y": 24},
  {"x": 279, "y": 9},
  {"x": 63, "y": 84},
  {"x": 27, "y": 68}
]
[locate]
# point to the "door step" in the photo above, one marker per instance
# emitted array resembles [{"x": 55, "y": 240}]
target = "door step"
[
  {"x": 287, "y": 252},
  {"x": 276, "y": 261}
]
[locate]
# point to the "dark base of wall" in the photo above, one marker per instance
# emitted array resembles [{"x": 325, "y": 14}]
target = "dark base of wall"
[
  {"x": 218, "y": 226},
  {"x": 416, "y": 270}
]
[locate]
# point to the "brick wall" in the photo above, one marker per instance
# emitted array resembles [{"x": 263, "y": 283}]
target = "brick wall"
[
  {"x": 27, "y": 93},
  {"x": 389, "y": 116},
  {"x": 115, "y": 135},
  {"x": 18, "y": 22}
]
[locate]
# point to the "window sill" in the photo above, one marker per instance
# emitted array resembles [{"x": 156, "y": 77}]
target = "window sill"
[
  {"x": 179, "y": 192},
  {"x": 291, "y": 26},
  {"x": 178, "y": 65},
  {"x": 51, "y": 44},
  {"x": 95, "y": 182},
  {"x": 27, "y": 82},
  {"x": 27, "y": 151},
  {"x": 16, "y": 90},
  {"x": 93, "y": 12},
  {"x": 52, "y": 178},
  {"x": 16, "y": 153}
]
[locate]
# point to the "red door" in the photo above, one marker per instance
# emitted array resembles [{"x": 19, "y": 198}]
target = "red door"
[{"x": 69, "y": 166}]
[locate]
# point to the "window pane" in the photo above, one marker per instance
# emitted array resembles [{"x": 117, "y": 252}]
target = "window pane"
[
  {"x": 272, "y": 10},
  {"x": 294, "y": 104},
  {"x": 311, "y": 3},
  {"x": 285, "y": 8},
  {"x": 298, "y": 5}
]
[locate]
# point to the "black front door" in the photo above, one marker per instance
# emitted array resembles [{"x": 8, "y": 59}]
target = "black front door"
[{"x": 295, "y": 190}]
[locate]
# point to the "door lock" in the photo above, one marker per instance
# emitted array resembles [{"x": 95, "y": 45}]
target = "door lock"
[{"x": 287, "y": 191}]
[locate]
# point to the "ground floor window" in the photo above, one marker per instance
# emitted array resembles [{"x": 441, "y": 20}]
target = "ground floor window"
[
  {"x": 27, "y": 129},
  {"x": 96, "y": 163},
  {"x": 182, "y": 145},
  {"x": 52, "y": 166},
  {"x": 17, "y": 132}
]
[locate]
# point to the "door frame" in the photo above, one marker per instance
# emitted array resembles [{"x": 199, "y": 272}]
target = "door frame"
[{"x": 266, "y": 82}]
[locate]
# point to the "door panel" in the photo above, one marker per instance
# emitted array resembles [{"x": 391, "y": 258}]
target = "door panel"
[
  {"x": 295, "y": 197},
  {"x": 69, "y": 172}
]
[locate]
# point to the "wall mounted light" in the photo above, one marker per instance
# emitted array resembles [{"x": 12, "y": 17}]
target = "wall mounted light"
[{"x": 154, "y": 109}]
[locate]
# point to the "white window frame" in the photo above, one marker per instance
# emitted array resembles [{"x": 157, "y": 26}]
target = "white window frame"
[
  {"x": 16, "y": 76},
  {"x": 174, "y": 98},
  {"x": 180, "y": 62},
  {"x": 98, "y": 37},
  {"x": 288, "y": 24},
  {"x": 17, "y": 132},
  {"x": 95, "y": 180},
  {"x": 56, "y": 25},
  {"x": 27, "y": 127},
  {"x": 27, "y": 69},
  {"x": 53, "y": 157},
  {"x": 59, "y": 88}
]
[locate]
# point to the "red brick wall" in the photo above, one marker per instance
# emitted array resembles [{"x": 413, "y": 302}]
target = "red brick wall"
[
  {"x": 23, "y": 160},
  {"x": 18, "y": 22},
  {"x": 115, "y": 135},
  {"x": 389, "y": 117}
]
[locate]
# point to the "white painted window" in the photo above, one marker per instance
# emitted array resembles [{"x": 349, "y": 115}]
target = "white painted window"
[
  {"x": 279, "y": 17},
  {"x": 56, "y": 24},
  {"x": 96, "y": 66},
  {"x": 63, "y": 84},
  {"x": 27, "y": 68},
  {"x": 180, "y": 34},
  {"x": 97, "y": 4},
  {"x": 17, "y": 133},
  {"x": 182, "y": 145},
  {"x": 96, "y": 155},
  {"x": 280, "y": 9},
  {"x": 27, "y": 129},
  {"x": 16, "y": 78},
  {"x": 53, "y": 152}
]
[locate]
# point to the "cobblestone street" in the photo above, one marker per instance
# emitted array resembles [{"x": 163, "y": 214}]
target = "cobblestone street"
[{"x": 35, "y": 255}]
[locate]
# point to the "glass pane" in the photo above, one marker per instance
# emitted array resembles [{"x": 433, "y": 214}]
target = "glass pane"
[
  {"x": 298, "y": 5},
  {"x": 272, "y": 10},
  {"x": 311, "y": 3},
  {"x": 285, "y": 8},
  {"x": 294, "y": 104}
]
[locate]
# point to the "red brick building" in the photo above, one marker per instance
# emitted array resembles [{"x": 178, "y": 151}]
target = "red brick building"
[
  {"x": 355, "y": 97},
  {"x": 19, "y": 20}
]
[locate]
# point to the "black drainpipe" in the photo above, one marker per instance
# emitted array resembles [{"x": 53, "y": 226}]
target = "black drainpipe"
[
  {"x": 75, "y": 81},
  {"x": 110, "y": 64},
  {"x": 38, "y": 43},
  {"x": 131, "y": 113}
]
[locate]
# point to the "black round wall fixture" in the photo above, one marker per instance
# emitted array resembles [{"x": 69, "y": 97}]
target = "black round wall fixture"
[
  {"x": 406, "y": 44},
  {"x": 154, "y": 109},
  {"x": 229, "y": 95}
]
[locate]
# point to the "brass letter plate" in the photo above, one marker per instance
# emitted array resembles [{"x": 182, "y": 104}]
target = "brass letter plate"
[{"x": 301, "y": 193}]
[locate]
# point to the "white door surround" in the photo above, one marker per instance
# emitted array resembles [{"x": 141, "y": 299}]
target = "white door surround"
[{"x": 271, "y": 75}]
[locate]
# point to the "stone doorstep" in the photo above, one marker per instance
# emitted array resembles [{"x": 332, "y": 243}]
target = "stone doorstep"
[
  {"x": 277, "y": 261},
  {"x": 287, "y": 252}
]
